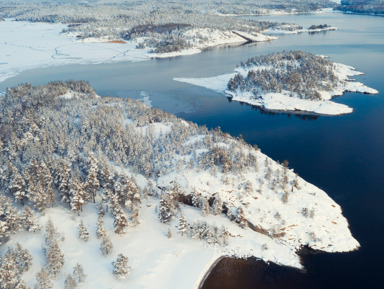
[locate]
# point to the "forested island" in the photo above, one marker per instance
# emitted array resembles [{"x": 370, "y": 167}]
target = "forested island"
[
  {"x": 106, "y": 192},
  {"x": 288, "y": 81}
]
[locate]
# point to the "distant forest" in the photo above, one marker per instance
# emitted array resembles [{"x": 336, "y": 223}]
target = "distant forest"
[{"x": 362, "y": 6}]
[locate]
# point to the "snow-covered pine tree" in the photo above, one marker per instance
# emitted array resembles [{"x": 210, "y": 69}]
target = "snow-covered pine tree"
[
  {"x": 204, "y": 207},
  {"x": 135, "y": 217},
  {"x": 165, "y": 213},
  {"x": 78, "y": 273},
  {"x": 23, "y": 258},
  {"x": 106, "y": 246},
  {"x": 224, "y": 235},
  {"x": 13, "y": 218},
  {"x": 92, "y": 183},
  {"x": 44, "y": 280},
  {"x": 130, "y": 193},
  {"x": 106, "y": 175},
  {"x": 120, "y": 267},
  {"x": 240, "y": 218},
  {"x": 65, "y": 182},
  {"x": 100, "y": 228},
  {"x": 37, "y": 195},
  {"x": 9, "y": 272},
  {"x": 217, "y": 206},
  {"x": 203, "y": 230},
  {"x": 120, "y": 222},
  {"x": 100, "y": 209},
  {"x": 21, "y": 285},
  {"x": 47, "y": 184},
  {"x": 17, "y": 187},
  {"x": 83, "y": 233},
  {"x": 29, "y": 221},
  {"x": 55, "y": 259},
  {"x": 4, "y": 232},
  {"x": 78, "y": 195},
  {"x": 51, "y": 234},
  {"x": 69, "y": 282},
  {"x": 196, "y": 198},
  {"x": 183, "y": 225}
]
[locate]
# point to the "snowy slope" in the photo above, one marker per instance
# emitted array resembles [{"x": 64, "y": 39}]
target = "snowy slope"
[{"x": 270, "y": 211}]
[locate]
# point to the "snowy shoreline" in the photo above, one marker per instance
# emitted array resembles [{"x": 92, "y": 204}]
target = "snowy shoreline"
[
  {"x": 283, "y": 102},
  {"x": 28, "y": 45}
]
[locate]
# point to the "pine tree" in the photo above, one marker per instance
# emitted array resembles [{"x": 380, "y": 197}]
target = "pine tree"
[
  {"x": 120, "y": 222},
  {"x": 165, "y": 214},
  {"x": 55, "y": 259},
  {"x": 37, "y": 196},
  {"x": 9, "y": 272},
  {"x": 23, "y": 259},
  {"x": 106, "y": 246},
  {"x": 4, "y": 232},
  {"x": 65, "y": 181},
  {"x": 100, "y": 228},
  {"x": 17, "y": 187},
  {"x": 183, "y": 225},
  {"x": 204, "y": 207},
  {"x": 120, "y": 267},
  {"x": 69, "y": 282},
  {"x": 224, "y": 234},
  {"x": 135, "y": 217},
  {"x": 240, "y": 218},
  {"x": 78, "y": 273},
  {"x": 92, "y": 183},
  {"x": 43, "y": 279},
  {"x": 83, "y": 233},
  {"x": 51, "y": 234},
  {"x": 217, "y": 206},
  {"x": 47, "y": 181},
  {"x": 29, "y": 221},
  {"x": 78, "y": 195},
  {"x": 100, "y": 209},
  {"x": 21, "y": 285}
]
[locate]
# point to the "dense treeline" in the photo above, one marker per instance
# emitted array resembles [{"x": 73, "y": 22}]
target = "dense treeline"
[
  {"x": 300, "y": 73},
  {"x": 362, "y": 6},
  {"x": 57, "y": 150}
]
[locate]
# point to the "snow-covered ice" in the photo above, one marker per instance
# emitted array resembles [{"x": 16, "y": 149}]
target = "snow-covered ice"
[{"x": 27, "y": 45}]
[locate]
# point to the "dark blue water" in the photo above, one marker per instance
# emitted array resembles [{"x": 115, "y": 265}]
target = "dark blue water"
[{"x": 342, "y": 155}]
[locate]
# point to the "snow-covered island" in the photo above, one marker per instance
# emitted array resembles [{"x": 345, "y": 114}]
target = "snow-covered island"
[
  {"x": 109, "y": 193},
  {"x": 293, "y": 81},
  {"x": 289, "y": 28}
]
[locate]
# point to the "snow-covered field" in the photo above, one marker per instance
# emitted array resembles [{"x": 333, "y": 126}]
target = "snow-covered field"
[
  {"x": 26, "y": 45},
  {"x": 283, "y": 101}
]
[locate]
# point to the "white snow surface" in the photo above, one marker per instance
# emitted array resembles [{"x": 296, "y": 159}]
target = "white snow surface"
[
  {"x": 283, "y": 101},
  {"x": 27, "y": 45},
  {"x": 159, "y": 262}
]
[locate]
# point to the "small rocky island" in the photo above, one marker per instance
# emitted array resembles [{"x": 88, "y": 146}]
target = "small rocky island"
[{"x": 294, "y": 81}]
